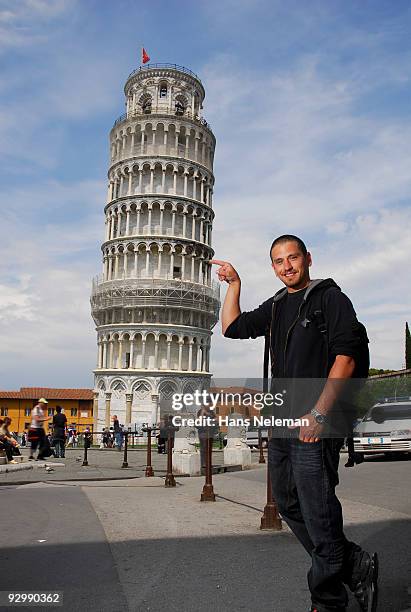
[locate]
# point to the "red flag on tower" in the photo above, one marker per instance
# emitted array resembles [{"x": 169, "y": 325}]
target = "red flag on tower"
[{"x": 144, "y": 56}]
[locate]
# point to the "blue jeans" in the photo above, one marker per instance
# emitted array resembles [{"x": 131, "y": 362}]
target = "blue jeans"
[
  {"x": 59, "y": 448},
  {"x": 304, "y": 476},
  {"x": 119, "y": 439}
]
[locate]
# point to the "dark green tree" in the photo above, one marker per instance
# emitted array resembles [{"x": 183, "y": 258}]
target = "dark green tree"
[{"x": 407, "y": 347}]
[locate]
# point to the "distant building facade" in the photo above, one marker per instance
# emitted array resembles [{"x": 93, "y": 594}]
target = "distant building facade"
[{"x": 77, "y": 405}]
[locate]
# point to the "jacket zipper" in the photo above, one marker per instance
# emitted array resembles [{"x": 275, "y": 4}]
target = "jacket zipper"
[
  {"x": 288, "y": 332},
  {"x": 271, "y": 327}
]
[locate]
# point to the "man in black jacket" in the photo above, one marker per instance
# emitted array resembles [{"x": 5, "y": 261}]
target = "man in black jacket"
[{"x": 314, "y": 334}]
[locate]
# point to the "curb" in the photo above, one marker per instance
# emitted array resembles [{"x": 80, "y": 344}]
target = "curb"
[{"x": 6, "y": 469}]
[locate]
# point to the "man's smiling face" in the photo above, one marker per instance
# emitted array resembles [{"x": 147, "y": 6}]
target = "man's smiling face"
[{"x": 290, "y": 265}]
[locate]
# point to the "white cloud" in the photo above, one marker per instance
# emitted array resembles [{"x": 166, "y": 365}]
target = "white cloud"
[
  {"x": 293, "y": 155},
  {"x": 298, "y": 150}
]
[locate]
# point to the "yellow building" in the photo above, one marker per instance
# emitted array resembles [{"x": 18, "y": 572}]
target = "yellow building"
[{"x": 77, "y": 405}]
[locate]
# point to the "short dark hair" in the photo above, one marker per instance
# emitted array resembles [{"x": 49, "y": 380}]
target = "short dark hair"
[
  {"x": 58, "y": 408},
  {"x": 288, "y": 238}
]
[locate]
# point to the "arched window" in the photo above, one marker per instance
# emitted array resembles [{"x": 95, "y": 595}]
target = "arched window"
[
  {"x": 147, "y": 107},
  {"x": 145, "y": 102},
  {"x": 163, "y": 90},
  {"x": 179, "y": 108},
  {"x": 181, "y": 104}
]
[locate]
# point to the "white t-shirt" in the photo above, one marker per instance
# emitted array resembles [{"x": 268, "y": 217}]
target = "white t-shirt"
[{"x": 39, "y": 412}]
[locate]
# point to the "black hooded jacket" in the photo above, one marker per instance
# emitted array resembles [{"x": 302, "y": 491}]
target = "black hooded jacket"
[{"x": 326, "y": 326}]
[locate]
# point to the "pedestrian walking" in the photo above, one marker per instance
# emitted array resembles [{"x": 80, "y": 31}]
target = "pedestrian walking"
[
  {"x": 118, "y": 434},
  {"x": 37, "y": 434}
]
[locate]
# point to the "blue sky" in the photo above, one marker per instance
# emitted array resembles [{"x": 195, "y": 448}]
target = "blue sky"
[{"x": 310, "y": 107}]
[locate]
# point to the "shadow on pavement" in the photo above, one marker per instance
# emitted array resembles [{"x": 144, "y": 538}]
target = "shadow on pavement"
[{"x": 264, "y": 572}]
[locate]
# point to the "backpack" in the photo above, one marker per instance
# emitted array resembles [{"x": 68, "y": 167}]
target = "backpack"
[{"x": 362, "y": 358}]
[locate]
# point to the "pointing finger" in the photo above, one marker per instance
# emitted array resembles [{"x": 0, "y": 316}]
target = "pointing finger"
[{"x": 218, "y": 262}]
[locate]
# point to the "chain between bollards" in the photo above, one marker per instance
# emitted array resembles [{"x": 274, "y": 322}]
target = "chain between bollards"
[
  {"x": 208, "y": 490},
  {"x": 170, "y": 480},
  {"x": 125, "y": 458}
]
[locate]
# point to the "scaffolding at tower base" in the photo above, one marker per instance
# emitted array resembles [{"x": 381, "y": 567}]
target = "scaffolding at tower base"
[{"x": 155, "y": 293}]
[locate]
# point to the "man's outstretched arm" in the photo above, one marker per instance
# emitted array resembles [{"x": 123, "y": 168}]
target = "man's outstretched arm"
[{"x": 231, "y": 307}]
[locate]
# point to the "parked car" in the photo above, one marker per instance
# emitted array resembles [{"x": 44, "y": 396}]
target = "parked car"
[
  {"x": 386, "y": 428},
  {"x": 252, "y": 437}
]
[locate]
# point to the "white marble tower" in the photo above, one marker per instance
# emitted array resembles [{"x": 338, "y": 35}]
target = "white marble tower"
[{"x": 155, "y": 304}]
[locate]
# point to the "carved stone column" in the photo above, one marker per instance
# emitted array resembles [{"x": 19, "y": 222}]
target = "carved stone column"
[
  {"x": 107, "y": 415},
  {"x": 129, "y": 402}
]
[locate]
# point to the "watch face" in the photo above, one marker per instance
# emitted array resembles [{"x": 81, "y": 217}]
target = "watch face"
[{"x": 320, "y": 419}]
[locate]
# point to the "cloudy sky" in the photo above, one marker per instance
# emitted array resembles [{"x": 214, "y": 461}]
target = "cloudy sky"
[{"x": 310, "y": 104}]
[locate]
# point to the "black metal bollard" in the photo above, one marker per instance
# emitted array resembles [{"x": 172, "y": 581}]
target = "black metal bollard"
[
  {"x": 270, "y": 519},
  {"x": 85, "y": 458},
  {"x": 170, "y": 480},
  {"x": 208, "y": 490},
  {"x": 260, "y": 448},
  {"x": 125, "y": 462},
  {"x": 149, "y": 468}
]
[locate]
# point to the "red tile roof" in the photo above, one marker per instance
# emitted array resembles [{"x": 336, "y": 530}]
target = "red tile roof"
[
  {"x": 10, "y": 395},
  {"x": 48, "y": 393}
]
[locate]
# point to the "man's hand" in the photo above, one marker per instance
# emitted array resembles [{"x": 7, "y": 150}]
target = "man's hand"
[
  {"x": 311, "y": 432},
  {"x": 226, "y": 272},
  {"x": 231, "y": 307}
]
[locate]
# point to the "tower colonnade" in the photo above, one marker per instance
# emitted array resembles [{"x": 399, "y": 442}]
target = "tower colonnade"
[
  {"x": 173, "y": 351},
  {"x": 162, "y": 138},
  {"x": 160, "y": 217},
  {"x": 164, "y": 177}
]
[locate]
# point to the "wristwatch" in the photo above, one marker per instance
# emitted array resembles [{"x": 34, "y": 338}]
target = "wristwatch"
[{"x": 319, "y": 416}]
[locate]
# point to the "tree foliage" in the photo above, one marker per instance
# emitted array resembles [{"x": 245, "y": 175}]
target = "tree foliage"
[{"x": 407, "y": 347}]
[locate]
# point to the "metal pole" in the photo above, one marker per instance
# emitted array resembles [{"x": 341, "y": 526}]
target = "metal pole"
[
  {"x": 125, "y": 462},
  {"x": 260, "y": 446},
  {"x": 170, "y": 480},
  {"x": 149, "y": 467},
  {"x": 270, "y": 519},
  {"x": 208, "y": 490},
  {"x": 85, "y": 460}
]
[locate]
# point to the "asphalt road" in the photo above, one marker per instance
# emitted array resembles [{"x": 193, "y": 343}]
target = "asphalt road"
[{"x": 379, "y": 481}]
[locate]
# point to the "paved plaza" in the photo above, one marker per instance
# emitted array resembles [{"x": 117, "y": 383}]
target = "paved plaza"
[{"x": 131, "y": 544}]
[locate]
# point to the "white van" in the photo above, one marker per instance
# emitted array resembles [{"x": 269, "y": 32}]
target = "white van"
[{"x": 386, "y": 428}]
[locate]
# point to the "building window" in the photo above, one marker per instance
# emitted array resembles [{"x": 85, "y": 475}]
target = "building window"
[
  {"x": 147, "y": 107},
  {"x": 163, "y": 90},
  {"x": 179, "y": 108},
  {"x": 73, "y": 412},
  {"x": 50, "y": 411},
  {"x": 27, "y": 411},
  {"x": 4, "y": 411},
  {"x": 176, "y": 272}
]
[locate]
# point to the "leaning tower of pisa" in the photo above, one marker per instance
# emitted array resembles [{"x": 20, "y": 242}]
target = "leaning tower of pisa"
[{"x": 155, "y": 303}]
